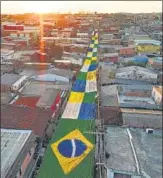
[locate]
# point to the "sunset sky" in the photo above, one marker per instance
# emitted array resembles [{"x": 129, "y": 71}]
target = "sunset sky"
[{"x": 75, "y": 6}]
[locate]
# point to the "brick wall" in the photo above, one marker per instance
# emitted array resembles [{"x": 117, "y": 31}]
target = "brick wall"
[
  {"x": 139, "y": 94},
  {"x": 111, "y": 115}
]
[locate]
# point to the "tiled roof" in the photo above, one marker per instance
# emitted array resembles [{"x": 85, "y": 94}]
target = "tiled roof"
[
  {"x": 34, "y": 119},
  {"x": 27, "y": 101}
]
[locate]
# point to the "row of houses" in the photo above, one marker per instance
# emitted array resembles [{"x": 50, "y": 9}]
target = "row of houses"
[{"x": 130, "y": 98}]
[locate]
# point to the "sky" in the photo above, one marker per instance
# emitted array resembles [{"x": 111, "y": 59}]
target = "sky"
[{"x": 76, "y": 6}]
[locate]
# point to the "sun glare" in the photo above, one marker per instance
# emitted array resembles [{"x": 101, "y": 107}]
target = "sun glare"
[{"x": 36, "y": 7}]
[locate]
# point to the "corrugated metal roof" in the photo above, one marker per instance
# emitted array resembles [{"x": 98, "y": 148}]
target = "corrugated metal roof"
[
  {"x": 12, "y": 142},
  {"x": 132, "y": 68},
  {"x": 50, "y": 78}
]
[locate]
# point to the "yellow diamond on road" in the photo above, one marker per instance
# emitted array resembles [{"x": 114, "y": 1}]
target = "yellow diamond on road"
[{"x": 71, "y": 150}]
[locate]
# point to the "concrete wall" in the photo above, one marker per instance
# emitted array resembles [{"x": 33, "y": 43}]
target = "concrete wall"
[{"x": 142, "y": 120}]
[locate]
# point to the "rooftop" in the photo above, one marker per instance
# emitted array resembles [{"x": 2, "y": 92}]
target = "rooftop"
[
  {"x": 37, "y": 88},
  {"x": 118, "y": 146},
  {"x": 154, "y": 42},
  {"x": 12, "y": 142},
  {"x": 141, "y": 37},
  {"x": 156, "y": 59},
  {"x": 108, "y": 95},
  {"x": 148, "y": 148},
  {"x": 136, "y": 68},
  {"x": 50, "y": 78},
  {"x": 29, "y": 101},
  {"x": 9, "y": 79},
  {"x": 136, "y": 96},
  {"x": 15, "y": 117},
  {"x": 6, "y": 98},
  {"x": 6, "y": 68},
  {"x": 61, "y": 72},
  {"x": 48, "y": 97},
  {"x": 5, "y": 52},
  {"x": 27, "y": 52}
]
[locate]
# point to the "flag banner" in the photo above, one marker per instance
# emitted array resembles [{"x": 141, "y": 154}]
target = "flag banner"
[
  {"x": 92, "y": 67},
  {"x": 91, "y": 86},
  {"x": 79, "y": 86},
  {"x": 87, "y": 111},
  {"x": 95, "y": 46},
  {"x": 94, "y": 58},
  {"x": 89, "y": 54},
  {"x": 90, "y": 49},
  {"x": 93, "y": 38},
  {"x": 87, "y": 62},
  {"x": 85, "y": 68},
  {"x": 91, "y": 45},
  {"x": 91, "y": 75},
  {"x": 51, "y": 165},
  {"x": 82, "y": 76},
  {"x": 71, "y": 111},
  {"x": 94, "y": 50},
  {"x": 71, "y": 150},
  {"x": 76, "y": 97},
  {"x": 94, "y": 54},
  {"x": 96, "y": 42},
  {"x": 89, "y": 97},
  {"x": 94, "y": 62}
]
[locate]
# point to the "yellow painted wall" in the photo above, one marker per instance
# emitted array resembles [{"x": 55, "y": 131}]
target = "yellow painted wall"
[{"x": 148, "y": 48}]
